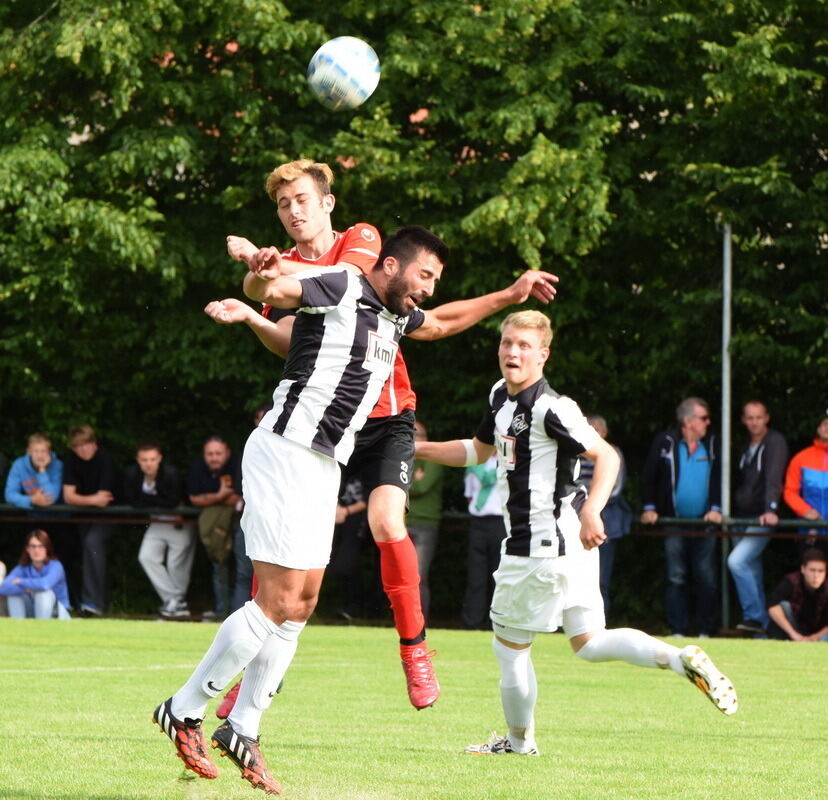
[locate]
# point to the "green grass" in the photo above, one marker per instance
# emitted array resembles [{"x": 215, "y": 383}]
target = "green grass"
[{"x": 79, "y": 697}]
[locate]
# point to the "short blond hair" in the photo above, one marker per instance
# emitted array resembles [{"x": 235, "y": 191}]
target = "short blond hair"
[
  {"x": 530, "y": 319},
  {"x": 287, "y": 173},
  {"x": 40, "y": 438},
  {"x": 81, "y": 434}
]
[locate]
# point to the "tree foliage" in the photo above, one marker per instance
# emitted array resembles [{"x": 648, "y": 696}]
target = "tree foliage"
[{"x": 604, "y": 140}]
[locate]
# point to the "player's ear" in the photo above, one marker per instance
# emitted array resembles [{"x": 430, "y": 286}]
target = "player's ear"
[
  {"x": 390, "y": 265},
  {"x": 328, "y": 203},
  {"x": 543, "y": 355}
]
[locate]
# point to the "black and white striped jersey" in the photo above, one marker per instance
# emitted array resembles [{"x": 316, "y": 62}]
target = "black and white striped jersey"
[
  {"x": 538, "y": 435},
  {"x": 342, "y": 350}
]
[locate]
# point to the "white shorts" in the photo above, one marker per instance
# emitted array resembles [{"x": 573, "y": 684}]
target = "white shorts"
[
  {"x": 290, "y": 495},
  {"x": 544, "y": 594}
]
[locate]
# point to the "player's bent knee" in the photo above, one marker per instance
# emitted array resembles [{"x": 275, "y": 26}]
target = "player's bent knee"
[{"x": 579, "y": 645}]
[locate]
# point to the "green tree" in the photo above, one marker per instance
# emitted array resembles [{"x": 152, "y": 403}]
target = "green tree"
[{"x": 604, "y": 140}]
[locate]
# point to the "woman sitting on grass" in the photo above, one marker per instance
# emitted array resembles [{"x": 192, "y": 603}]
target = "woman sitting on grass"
[{"x": 36, "y": 587}]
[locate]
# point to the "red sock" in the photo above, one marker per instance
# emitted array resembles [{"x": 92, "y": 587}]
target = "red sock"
[{"x": 401, "y": 582}]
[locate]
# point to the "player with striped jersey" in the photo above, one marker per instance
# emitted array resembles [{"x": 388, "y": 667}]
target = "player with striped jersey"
[
  {"x": 341, "y": 353},
  {"x": 384, "y": 453},
  {"x": 548, "y": 572}
]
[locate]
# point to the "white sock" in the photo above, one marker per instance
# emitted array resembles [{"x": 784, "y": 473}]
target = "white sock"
[
  {"x": 262, "y": 678},
  {"x": 518, "y": 694},
  {"x": 237, "y": 641},
  {"x": 632, "y": 646}
]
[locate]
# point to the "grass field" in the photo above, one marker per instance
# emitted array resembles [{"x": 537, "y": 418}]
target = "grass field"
[{"x": 79, "y": 697}]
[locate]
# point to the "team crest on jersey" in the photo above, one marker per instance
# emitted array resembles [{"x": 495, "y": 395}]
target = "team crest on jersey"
[
  {"x": 367, "y": 234},
  {"x": 519, "y": 424},
  {"x": 380, "y": 353}
]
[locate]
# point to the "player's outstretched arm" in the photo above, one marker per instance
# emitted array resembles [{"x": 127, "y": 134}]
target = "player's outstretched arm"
[
  {"x": 607, "y": 464},
  {"x": 275, "y": 336},
  {"x": 241, "y": 249},
  {"x": 451, "y": 318},
  {"x": 454, "y": 453},
  {"x": 264, "y": 260},
  {"x": 281, "y": 291}
]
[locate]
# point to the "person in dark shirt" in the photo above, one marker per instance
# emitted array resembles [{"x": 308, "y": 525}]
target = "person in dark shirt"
[
  {"x": 761, "y": 471},
  {"x": 168, "y": 546},
  {"x": 91, "y": 479},
  {"x": 798, "y": 607},
  {"x": 214, "y": 485}
]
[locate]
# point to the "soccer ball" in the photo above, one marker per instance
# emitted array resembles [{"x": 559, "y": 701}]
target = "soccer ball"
[{"x": 344, "y": 72}]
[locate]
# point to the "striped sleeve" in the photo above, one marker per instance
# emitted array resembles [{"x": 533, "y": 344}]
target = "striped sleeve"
[
  {"x": 414, "y": 320},
  {"x": 486, "y": 429},
  {"x": 565, "y": 423},
  {"x": 322, "y": 289}
]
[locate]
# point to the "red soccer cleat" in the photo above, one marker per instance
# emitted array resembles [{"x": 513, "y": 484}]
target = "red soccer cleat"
[
  {"x": 229, "y": 700},
  {"x": 245, "y": 754},
  {"x": 227, "y": 703},
  {"x": 423, "y": 689},
  {"x": 188, "y": 739}
]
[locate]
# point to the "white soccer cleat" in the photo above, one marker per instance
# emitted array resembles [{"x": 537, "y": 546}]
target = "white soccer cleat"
[
  {"x": 702, "y": 672},
  {"x": 498, "y": 746}
]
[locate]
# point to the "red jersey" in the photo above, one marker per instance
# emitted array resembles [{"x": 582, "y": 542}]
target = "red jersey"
[{"x": 360, "y": 246}]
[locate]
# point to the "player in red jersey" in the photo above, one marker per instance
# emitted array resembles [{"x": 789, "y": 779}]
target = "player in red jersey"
[{"x": 385, "y": 446}]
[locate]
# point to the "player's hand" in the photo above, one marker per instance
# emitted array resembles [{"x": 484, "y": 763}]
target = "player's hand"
[
  {"x": 241, "y": 249},
  {"x": 227, "y": 311},
  {"x": 341, "y": 515},
  {"x": 266, "y": 264},
  {"x": 811, "y": 513},
  {"x": 649, "y": 517},
  {"x": 592, "y": 529},
  {"x": 538, "y": 284},
  {"x": 713, "y": 516}
]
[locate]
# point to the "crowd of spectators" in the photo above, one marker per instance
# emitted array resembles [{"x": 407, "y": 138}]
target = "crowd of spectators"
[{"x": 680, "y": 479}]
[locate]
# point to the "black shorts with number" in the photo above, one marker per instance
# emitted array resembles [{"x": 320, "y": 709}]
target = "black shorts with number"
[{"x": 384, "y": 452}]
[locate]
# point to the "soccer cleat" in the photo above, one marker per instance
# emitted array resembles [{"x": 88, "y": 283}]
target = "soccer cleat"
[
  {"x": 702, "y": 672},
  {"x": 498, "y": 746},
  {"x": 245, "y": 754},
  {"x": 188, "y": 739},
  {"x": 423, "y": 689},
  {"x": 229, "y": 700}
]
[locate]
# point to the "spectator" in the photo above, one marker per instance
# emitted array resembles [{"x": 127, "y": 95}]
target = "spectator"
[
  {"x": 168, "y": 546},
  {"x": 90, "y": 479},
  {"x": 799, "y": 604},
  {"x": 213, "y": 486},
  {"x": 424, "y": 514},
  {"x": 36, "y": 587},
  {"x": 758, "y": 489},
  {"x": 806, "y": 484},
  {"x": 681, "y": 478},
  {"x": 349, "y": 540},
  {"x": 486, "y": 534},
  {"x": 35, "y": 479},
  {"x": 617, "y": 515}
]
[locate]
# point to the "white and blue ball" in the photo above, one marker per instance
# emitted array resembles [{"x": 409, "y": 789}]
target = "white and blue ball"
[{"x": 344, "y": 72}]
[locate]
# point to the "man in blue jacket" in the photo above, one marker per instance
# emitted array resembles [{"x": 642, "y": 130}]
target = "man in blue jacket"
[
  {"x": 682, "y": 478},
  {"x": 35, "y": 480}
]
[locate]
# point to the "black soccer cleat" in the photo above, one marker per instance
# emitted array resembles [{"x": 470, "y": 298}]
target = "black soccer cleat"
[{"x": 245, "y": 754}]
